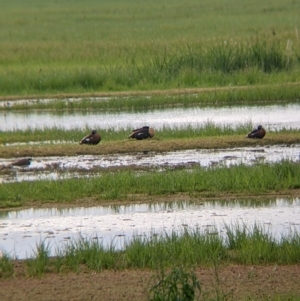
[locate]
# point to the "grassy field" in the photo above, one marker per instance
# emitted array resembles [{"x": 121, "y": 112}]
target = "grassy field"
[{"x": 76, "y": 47}]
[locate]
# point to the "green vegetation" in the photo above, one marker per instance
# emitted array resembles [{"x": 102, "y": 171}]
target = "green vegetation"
[
  {"x": 190, "y": 248},
  {"x": 57, "y": 137},
  {"x": 54, "y": 134},
  {"x": 6, "y": 266},
  {"x": 123, "y": 184},
  {"x": 55, "y": 48},
  {"x": 140, "y": 101},
  {"x": 177, "y": 285}
]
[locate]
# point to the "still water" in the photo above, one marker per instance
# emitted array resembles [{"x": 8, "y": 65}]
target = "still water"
[
  {"x": 54, "y": 168},
  {"x": 273, "y": 117},
  {"x": 21, "y": 231}
]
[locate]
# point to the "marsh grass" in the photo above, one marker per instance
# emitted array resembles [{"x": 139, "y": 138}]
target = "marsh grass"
[
  {"x": 6, "y": 266},
  {"x": 253, "y": 245},
  {"x": 253, "y": 95},
  {"x": 90, "y": 253},
  {"x": 188, "y": 248},
  {"x": 106, "y": 47},
  {"x": 38, "y": 265},
  {"x": 58, "y": 135},
  {"x": 168, "y": 75},
  {"x": 54, "y": 136},
  {"x": 256, "y": 180}
]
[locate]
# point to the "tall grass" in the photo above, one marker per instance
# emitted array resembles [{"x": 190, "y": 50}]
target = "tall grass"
[
  {"x": 37, "y": 266},
  {"x": 6, "y": 266},
  {"x": 218, "y": 65},
  {"x": 259, "y": 179},
  {"x": 253, "y": 245},
  {"x": 188, "y": 248},
  {"x": 107, "y": 47}
]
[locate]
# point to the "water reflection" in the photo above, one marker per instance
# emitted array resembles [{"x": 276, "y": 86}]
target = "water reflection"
[
  {"x": 21, "y": 231},
  {"x": 273, "y": 117}
]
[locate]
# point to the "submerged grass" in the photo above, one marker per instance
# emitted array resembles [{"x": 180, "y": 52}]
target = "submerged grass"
[{"x": 260, "y": 179}]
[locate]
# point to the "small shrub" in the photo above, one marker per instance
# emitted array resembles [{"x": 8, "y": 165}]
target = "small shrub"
[
  {"x": 178, "y": 285},
  {"x": 6, "y": 266}
]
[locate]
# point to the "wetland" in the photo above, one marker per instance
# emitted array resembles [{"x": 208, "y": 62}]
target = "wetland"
[{"x": 110, "y": 221}]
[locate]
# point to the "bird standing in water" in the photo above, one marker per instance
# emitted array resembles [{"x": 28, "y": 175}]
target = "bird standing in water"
[
  {"x": 22, "y": 162},
  {"x": 92, "y": 139},
  {"x": 258, "y": 133},
  {"x": 142, "y": 133}
]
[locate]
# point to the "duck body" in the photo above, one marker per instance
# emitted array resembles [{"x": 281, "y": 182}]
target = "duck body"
[
  {"x": 258, "y": 133},
  {"x": 22, "y": 162},
  {"x": 92, "y": 139},
  {"x": 142, "y": 133}
]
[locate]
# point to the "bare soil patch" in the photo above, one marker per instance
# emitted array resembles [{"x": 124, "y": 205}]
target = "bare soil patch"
[{"x": 236, "y": 282}]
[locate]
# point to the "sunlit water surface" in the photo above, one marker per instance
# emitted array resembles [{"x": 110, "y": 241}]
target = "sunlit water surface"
[{"x": 273, "y": 117}]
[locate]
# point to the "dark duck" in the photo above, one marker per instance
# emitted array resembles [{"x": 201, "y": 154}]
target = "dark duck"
[
  {"x": 258, "y": 133},
  {"x": 22, "y": 162},
  {"x": 92, "y": 139},
  {"x": 142, "y": 133}
]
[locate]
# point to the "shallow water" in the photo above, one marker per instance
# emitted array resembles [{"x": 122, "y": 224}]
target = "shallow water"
[
  {"x": 63, "y": 167},
  {"x": 21, "y": 231},
  {"x": 273, "y": 117}
]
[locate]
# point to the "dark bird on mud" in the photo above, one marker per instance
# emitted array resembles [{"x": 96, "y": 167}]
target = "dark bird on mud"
[
  {"x": 92, "y": 139},
  {"x": 142, "y": 133},
  {"x": 258, "y": 133},
  {"x": 22, "y": 162}
]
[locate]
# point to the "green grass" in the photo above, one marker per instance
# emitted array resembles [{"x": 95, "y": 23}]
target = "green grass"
[
  {"x": 52, "y": 48},
  {"x": 257, "y": 95},
  {"x": 38, "y": 265},
  {"x": 256, "y": 180},
  {"x": 188, "y": 247},
  {"x": 56, "y": 135},
  {"x": 208, "y": 129},
  {"x": 201, "y": 68},
  {"x": 6, "y": 266}
]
